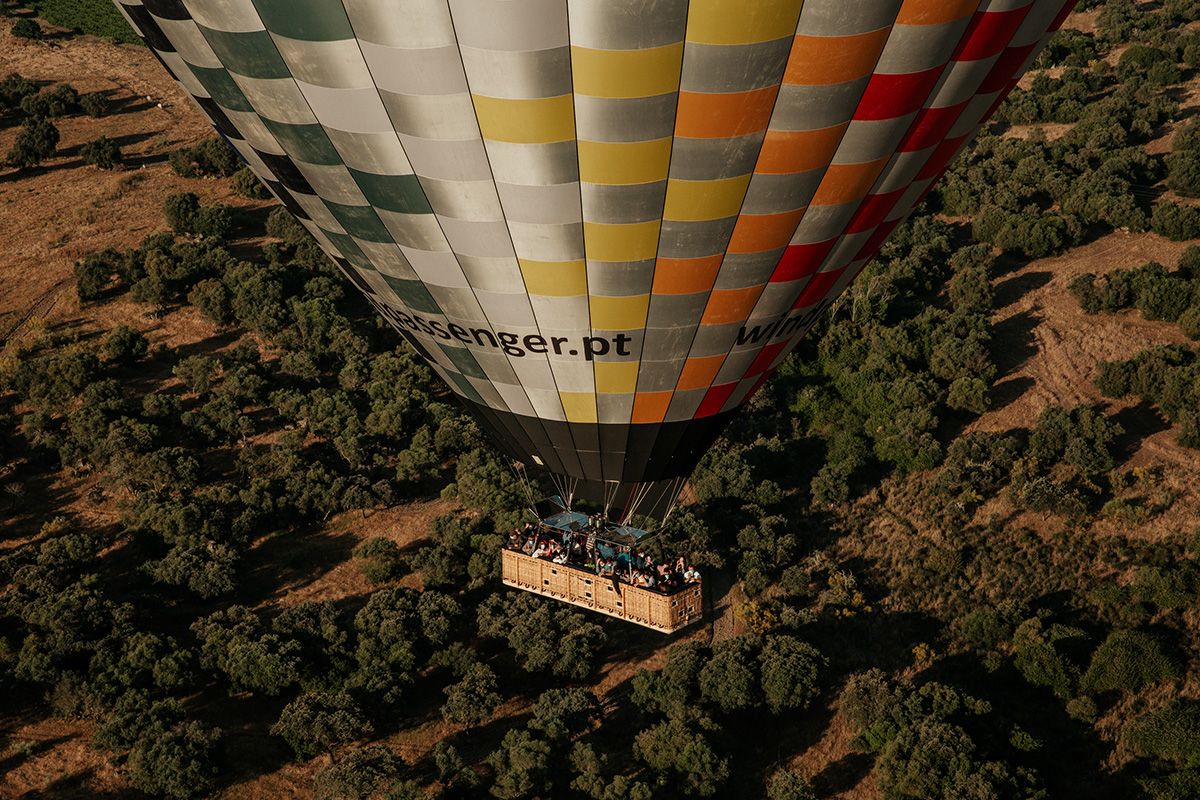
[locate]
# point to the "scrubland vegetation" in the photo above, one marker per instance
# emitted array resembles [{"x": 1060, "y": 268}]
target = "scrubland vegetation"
[{"x": 957, "y": 611}]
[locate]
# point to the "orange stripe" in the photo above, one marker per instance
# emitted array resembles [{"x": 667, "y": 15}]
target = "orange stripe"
[
  {"x": 650, "y": 406},
  {"x": 788, "y": 152},
  {"x": 720, "y": 116},
  {"x": 686, "y": 275},
  {"x": 934, "y": 12},
  {"x": 824, "y": 60},
  {"x": 845, "y": 182},
  {"x": 755, "y": 233},
  {"x": 699, "y": 373},
  {"x": 730, "y": 305}
]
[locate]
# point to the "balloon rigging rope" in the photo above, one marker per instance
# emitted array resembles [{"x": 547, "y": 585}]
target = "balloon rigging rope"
[{"x": 675, "y": 492}]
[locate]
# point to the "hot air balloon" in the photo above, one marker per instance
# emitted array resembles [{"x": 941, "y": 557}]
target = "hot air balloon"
[{"x": 604, "y": 223}]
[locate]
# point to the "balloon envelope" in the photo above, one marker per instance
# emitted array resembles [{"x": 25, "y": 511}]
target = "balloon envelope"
[{"x": 604, "y": 223}]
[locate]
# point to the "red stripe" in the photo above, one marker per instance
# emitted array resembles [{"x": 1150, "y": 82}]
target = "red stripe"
[
  {"x": 764, "y": 359},
  {"x": 1005, "y": 67},
  {"x": 715, "y": 399},
  {"x": 931, "y": 126},
  {"x": 941, "y": 156},
  {"x": 801, "y": 260},
  {"x": 817, "y": 288},
  {"x": 989, "y": 33},
  {"x": 890, "y": 96},
  {"x": 873, "y": 211},
  {"x": 871, "y": 248}
]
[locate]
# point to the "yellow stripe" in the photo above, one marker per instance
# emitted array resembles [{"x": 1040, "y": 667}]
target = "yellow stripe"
[
  {"x": 619, "y": 313},
  {"x": 624, "y": 162},
  {"x": 555, "y": 278},
  {"x": 579, "y": 406},
  {"x": 616, "y": 377},
  {"x": 626, "y": 73},
  {"x": 632, "y": 242},
  {"x": 547, "y": 119},
  {"x": 693, "y": 201},
  {"x": 740, "y": 22}
]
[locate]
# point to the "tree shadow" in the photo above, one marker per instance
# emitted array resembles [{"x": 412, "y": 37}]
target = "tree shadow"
[
  {"x": 1013, "y": 342},
  {"x": 19, "y": 173},
  {"x": 211, "y": 345},
  {"x": 842, "y": 775},
  {"x": 248, "y": 748},
  {"x": 1008, "y": 391},
  {"x": 25, "y": 518},
  {"x": 137, "y": 162},
  {"x": 290, "y": 560},
  {"x": 71, "y": 785},
  {"x": 1012, "y": 289},
  {"x": 1008, "y": 263},
  {"x": 249, "y": 223},
  {"x": 129, "y": 104},
  {"x": 1140, "y": 422},
  {"x": 10, "y": 762}
]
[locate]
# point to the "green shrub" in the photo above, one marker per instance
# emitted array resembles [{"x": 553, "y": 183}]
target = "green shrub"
[
  {"x": 94, "y": 104},
  {"x": 1127, "y": 660},
  {"x": 282, "y": 225},
  {"x": 212, "y": 157},
  {"x": 1189, "y": 323},
  {"x": 1183, "y": 784},
  {"x": 125, "y": 345},
  {"x": 380, "y": 559},
  {"x": 14, "y": 89},
  {"x": 1175, "y": 221},
  {"x": 788, "y": 785},
  {"x": 27, "y": 28},
  {"x": 1183, "y": 173},
  {"x": 36, "y": 141},
  {"x": 102, "y": 153},
  {"x": 95, "y": 272},
  {"x": 177, "y": 763},
  {"x": 367, "y": 772},
  {"x": 247, "y": 184},
  {"x": 1170, "y": 734},
  {"x": 180, "y": 209},
  {"x": 213, "y": 220},
  {"x": 316, "y": 722},
  {"x": 1041, "y": 657}
]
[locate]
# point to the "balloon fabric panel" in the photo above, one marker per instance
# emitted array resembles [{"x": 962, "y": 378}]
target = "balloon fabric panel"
[{"x": 604, "y": 225}]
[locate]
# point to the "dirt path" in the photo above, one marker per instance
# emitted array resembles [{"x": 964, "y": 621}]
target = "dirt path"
[
  {"x": 41, "y": 308},
  {"x": 720, "y": 604}
]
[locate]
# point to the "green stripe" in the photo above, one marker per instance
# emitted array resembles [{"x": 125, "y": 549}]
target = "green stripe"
[
  {"x": 466, "y": 389},
  {"x": 307, "y": 20},
  {"x": 307, "y": 143},
  {"x": 399, "y": 193},
  {"x": 350, "y": 250},
  {"x": 252, "y": 53},
  {"x": 413, "y": 294},
  {"x": 465, "y": 362},
  {"x": 360, "y": 221},
  {"x": 221, "y": 88}
]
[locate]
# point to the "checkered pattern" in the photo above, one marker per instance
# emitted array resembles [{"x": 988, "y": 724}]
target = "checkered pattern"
[{"x": 674, "y": 173}]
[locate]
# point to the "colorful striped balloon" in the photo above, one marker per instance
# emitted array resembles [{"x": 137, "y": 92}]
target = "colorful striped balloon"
[{"x": 604, "y": 223}]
